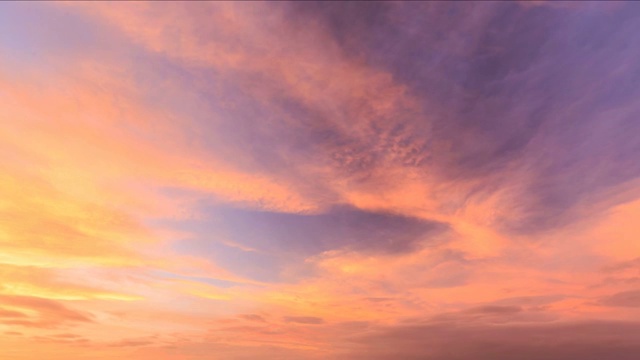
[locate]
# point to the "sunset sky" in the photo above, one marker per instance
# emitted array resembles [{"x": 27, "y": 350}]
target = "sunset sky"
[{"x": 350, "y": 181}]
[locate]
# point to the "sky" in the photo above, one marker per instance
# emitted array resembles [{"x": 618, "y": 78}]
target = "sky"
[{"x": 333, "y": 180}]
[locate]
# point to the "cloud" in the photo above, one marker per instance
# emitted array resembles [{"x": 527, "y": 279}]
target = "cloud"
[
  {"x": 12, "y": 314},
  {"x": 504, "y": 97},
  {"x": 253, "y": 317},
  {"x": 307, "y": 320},
  {"x": 586, "y": 340},
  {"x": 47, "y": 283},
  {"x": 622, "y": 299},
  {"x": 339, "y": 227},
  {"x": 41, "y": 313},
  {"x": 133, "y": 342},
  {"x": 283, "y": 241}
]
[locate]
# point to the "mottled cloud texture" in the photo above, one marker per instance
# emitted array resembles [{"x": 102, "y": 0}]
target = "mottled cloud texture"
[{"x": 331, "y": 180}]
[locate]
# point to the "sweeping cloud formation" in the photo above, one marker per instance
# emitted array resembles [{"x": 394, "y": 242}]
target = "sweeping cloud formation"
[{"x": 331, "y": 180}]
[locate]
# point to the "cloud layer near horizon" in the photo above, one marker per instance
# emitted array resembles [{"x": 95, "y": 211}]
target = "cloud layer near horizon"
[{"x": 319, "y": 180}]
